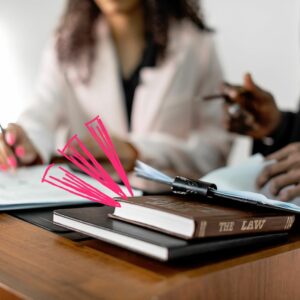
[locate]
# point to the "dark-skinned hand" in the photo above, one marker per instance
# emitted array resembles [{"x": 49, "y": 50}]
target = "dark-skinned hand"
[
  {"x": 285, "y": 172},
  {"x": 258, "y": 116}
]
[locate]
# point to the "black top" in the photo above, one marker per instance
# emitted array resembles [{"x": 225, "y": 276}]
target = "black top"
[
  {"x": 130, "y": 84},
  {"x": 288, "y": 132}
]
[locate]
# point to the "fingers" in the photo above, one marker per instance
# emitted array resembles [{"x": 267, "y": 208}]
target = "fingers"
[
  {"x": 239, "y": 120},
  {"x": 246, "y": 99},
  {"x": 249, "y": 83},
  {"x": 25, "y": 153},
  {"x": 20, "y": 151},
  {"x": 284, "y": 173},
  {"x": 237, "y": 93},
  {"x": 290, "y": 193},
  {"x": 278, "y": 183},
  {"x": 7, "y": 158},
  {"x": 16, "y": 149},
  {"x": 90, "y": 145},
  {"x": 274, "y": 170},
  {"x": 10, "y": 138},
  {"x": 285, "y": 152},
  {"x": 239, "y": 113},
  {"x": 231, "y": 91},
  {"x": 23, "y": 148},
  {"x": 13, "y": 133}
]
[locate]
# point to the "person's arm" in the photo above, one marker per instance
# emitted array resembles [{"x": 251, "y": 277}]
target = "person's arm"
[
  {"x": 207, "y": 145},
  {"x": 259, "y": 117},
  {"x": 31, "y": 140},
  {"x": 255, "y": 111},
  {"x": 40, "y": 120}
]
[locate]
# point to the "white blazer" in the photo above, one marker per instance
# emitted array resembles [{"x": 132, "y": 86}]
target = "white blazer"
[{"x": 171, "y": 126}]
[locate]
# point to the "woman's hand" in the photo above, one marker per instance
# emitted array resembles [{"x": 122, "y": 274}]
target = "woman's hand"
[
  {"x": 16, "y": 146},
  {"x": 283, "y": 173},
  {"x": 125, "y": 150},
  {"x": 258, "y": 116}
]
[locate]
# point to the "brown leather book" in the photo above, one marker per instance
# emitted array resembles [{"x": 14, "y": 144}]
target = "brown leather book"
[{"x": 189, "y": 218}]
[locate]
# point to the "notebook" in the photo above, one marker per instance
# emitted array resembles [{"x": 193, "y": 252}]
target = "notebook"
[
  {"x": 94, "y": 222},
  {"x": 23, "y": 190}
]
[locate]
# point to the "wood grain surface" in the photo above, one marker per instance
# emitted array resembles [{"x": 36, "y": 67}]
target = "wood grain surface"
[{"x": 37, "y": 264}]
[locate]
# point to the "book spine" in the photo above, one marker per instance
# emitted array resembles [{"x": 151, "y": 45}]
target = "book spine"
[{"x": 209, "y": 228}]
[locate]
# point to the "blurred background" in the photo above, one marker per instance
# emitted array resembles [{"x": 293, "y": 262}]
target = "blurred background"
[{"x": 259, "y": 36}]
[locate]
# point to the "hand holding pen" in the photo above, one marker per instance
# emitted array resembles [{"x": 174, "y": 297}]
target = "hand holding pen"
[
  {"x": 248, "y": 109},
  {"x": 15, "y": 148}
]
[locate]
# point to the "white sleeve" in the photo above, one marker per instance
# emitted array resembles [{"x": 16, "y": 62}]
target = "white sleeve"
[
  {"x": 42, "y": 117},
  {"x": 207, "y": 145}
]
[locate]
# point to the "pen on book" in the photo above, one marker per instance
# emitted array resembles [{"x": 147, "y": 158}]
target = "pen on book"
[{"x": 13, "y": 161}]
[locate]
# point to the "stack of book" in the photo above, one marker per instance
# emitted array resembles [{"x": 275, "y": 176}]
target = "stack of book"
[
  {"x": 199, "y": 219},
  {"x": 174, "y": 226}
]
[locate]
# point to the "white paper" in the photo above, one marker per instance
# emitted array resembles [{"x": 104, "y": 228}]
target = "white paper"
[
  {"x": 240, "y": 181},
  {"x": 24, "y": 189},
  {"x": 238, "y": 177}
]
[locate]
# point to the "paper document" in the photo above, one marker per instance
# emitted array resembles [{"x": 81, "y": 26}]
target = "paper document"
[
  {"x": 239, "y": 181},
  {"x": 238, "y": 177},
  {"x": 24, "y": 189},
  {"x": 235, "y": 183}
]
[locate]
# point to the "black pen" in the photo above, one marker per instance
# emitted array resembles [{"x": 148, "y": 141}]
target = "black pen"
[
  {"x": 217, "y": 96},
  {"x": 234, "y": 109},
  {"x": 14, "y": 162},
  {"x": 239, "y": 90}
]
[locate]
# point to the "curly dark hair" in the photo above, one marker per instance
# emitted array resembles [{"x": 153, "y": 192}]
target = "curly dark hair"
[{"x": 76, "y": 36}]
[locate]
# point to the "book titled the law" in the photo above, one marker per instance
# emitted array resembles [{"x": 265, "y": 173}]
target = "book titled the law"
[
  {"x": 189, "y": 218},
  {"x": 94, "y": 222}
]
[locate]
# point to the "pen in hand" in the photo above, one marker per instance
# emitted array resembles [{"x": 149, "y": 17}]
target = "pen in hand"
[
  {"x": 240, "y": 116},
  {"x": 12, "y": 160},
  {"x": 229, "y": 94},
  {"x": 217, "y": 96}
]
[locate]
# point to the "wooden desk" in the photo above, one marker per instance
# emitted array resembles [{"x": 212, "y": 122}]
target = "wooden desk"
[{"x": 37, "y": 264}]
